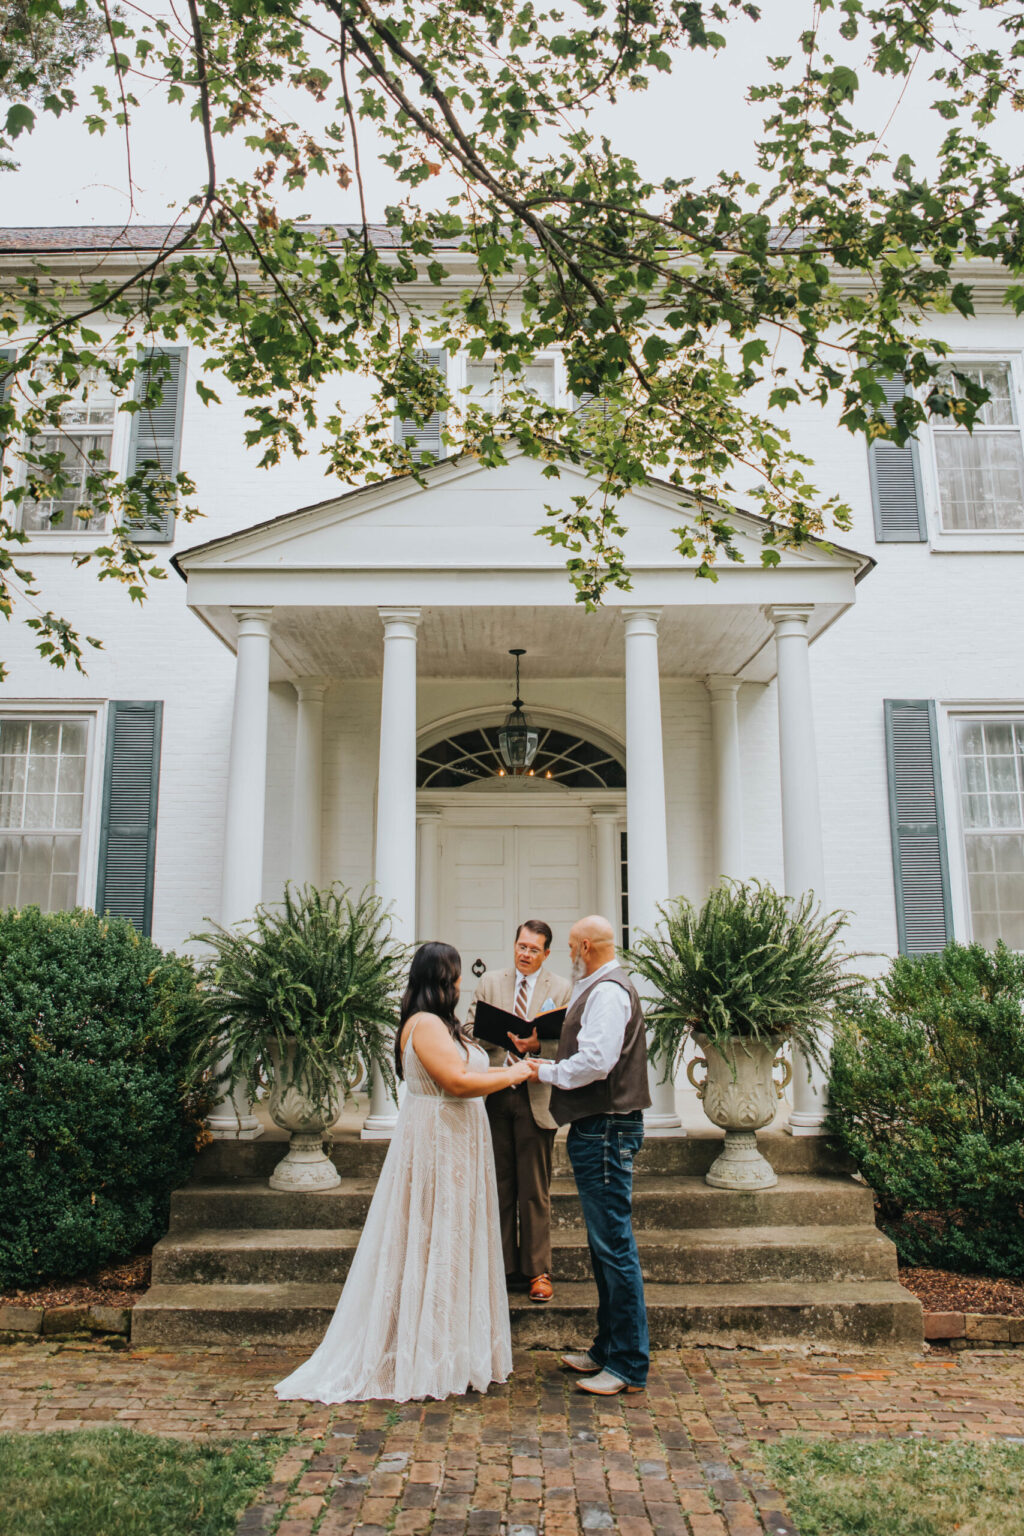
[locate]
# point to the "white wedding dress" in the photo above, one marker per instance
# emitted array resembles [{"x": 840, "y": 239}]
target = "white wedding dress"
[{"x": 424, "y": 1311}]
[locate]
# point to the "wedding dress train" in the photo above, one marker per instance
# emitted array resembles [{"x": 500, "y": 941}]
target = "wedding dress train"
[{"x": 424, "y": 1311}]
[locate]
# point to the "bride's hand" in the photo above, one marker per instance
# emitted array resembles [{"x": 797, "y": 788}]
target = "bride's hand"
[{"x": 519, "y": 1072}]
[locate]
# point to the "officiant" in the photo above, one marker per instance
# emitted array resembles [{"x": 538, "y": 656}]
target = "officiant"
[{"x": 522, "y": 1130}]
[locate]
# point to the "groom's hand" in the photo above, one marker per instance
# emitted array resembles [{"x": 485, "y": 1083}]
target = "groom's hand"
[
  {"x": 533, "y": 1062},
  {"x": 525, "y": 1044}
]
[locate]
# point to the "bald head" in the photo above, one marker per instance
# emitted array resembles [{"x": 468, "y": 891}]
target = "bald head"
[{"x": 591, "y": 945}]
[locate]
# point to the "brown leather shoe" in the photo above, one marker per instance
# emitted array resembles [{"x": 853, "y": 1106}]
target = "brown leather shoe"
[{"x": 541, "y": 1288}]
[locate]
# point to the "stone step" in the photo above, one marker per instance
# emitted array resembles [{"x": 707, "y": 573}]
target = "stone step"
[
  {"x": 688, "y": 1155},
  {"x": 710, "y": 1256},
  {"x": 658, "y": 1202},
  {"x": 855, "y": 1315}
]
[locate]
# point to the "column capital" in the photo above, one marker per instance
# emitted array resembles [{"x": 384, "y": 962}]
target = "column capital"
[
  {"x": 403, "y": 622},
  {"x": 722, "y": 683},
  {"x": 429, "y": 813},
  {"x": 788, "y": 618},
  {"x": 311, "y": 688},
  {"x": 606, "y": 813},
  {"x": 253, "y": 621},
  {"x": 641, "y": 621}
]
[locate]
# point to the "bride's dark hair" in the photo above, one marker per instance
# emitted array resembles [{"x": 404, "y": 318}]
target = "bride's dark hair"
[{"x": 432, "y": 988}]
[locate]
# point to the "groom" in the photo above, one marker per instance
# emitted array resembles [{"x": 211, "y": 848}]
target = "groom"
[{"x": 599, "y": 1089}]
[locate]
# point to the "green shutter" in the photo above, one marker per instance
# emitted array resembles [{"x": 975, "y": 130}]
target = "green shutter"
[
  {"x": 426, "y": 439},
  {"x": 131, "y": 780},
  {"x": 920, "y": 866},
  {"x": 156, "y": 434},
  {"x": 5, "y": 383},
  {"x": 896, "y": 481}
]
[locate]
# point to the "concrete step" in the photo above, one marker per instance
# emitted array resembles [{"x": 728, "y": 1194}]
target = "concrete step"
[
  {"x": 709, "y": 1256},
  {"x": 689, "y": 1155},
  {"x": 854, "y": 1315},
  {"x": 658, "y": 1202}
]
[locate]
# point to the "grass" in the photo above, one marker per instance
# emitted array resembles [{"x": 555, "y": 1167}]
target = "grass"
[
  {"x": 900, "y": 1487},
  {"x": 115, "y": 1482}
]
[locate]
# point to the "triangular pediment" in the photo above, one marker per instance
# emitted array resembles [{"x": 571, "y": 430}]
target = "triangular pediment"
[{"x": 465, "y": 516}]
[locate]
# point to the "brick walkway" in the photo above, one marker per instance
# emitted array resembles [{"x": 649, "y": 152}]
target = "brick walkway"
[{"x": 531, "y": 1457}]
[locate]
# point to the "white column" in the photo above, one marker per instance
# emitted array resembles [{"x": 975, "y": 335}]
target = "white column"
[
  {"x": 428, "y": 871},
  {"x": 606, "y": 849},
  {"x": 395, "y": 855},
  {"x": 307, "y": 803},
  {"x": 242, "y": 872},
  {"x": 725, "y": 747},
  {"x": 646, "y": 821},
  {"x": 802, "y": 851}
]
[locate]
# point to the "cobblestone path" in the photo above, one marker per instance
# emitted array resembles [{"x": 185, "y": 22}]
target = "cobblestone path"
[{"x": 533, "y": 1458}]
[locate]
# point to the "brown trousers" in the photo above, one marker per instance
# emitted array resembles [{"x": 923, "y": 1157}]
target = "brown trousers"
[{"x": 522, "y": 1163}]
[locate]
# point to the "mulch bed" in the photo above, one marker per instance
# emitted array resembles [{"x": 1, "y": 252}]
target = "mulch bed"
[
  {"x": 940, "y": 1291},
  {"x": 115, "y": 1285}
]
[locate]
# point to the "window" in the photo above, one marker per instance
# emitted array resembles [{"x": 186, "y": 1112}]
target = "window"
[
  {"x": 473, "y": 755},
  {"x": 484, "y": 383},
  {"x": 84, "y": 442},
  {"x": 42, "y": 799},
  {"x": 991, "y": 763},
  {"x": 981, "y": 473}
]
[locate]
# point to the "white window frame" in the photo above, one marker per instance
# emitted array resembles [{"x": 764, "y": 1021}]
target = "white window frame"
[
  {"x": 71, "y": 540},
  {"x": 94, "y": 714},
  {"x": 969, "y": 540},
  {"x": 950, "y": 713},
  {"x": 463, "y": 362}
]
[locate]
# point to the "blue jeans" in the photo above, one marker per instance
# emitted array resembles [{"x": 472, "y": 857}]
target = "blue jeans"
[{"x": 601, "y": 1149}]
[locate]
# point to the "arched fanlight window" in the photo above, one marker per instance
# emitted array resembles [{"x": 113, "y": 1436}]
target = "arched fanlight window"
[{"x": 476, "y": 754}]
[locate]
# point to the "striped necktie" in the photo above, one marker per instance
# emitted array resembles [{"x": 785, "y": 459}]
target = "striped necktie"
[{"x": 521, "y": 999}]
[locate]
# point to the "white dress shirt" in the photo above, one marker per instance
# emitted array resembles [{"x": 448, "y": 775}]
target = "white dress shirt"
[{"x": 602, "y": 1031}]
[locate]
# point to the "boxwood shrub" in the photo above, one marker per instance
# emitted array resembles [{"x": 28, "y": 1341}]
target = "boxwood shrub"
[
  {"x": 99, "y": 1115},
  {"x": 927, "y": 1096}
]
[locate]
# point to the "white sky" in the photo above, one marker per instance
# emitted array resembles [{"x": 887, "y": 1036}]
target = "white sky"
[{"x": 693, "y": 123}]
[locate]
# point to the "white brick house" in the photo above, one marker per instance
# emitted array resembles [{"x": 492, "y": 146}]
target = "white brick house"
[{"x": 314, "y": 693}]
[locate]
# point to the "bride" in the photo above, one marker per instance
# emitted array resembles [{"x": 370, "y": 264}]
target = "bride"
[{"x": 424, "y": 1311}]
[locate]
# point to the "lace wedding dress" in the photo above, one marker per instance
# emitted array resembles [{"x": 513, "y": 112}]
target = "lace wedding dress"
[{"x": 424, "y": 1312}]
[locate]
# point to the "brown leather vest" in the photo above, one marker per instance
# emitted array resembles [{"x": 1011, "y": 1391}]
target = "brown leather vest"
[{"x": 625, "y": 1088}]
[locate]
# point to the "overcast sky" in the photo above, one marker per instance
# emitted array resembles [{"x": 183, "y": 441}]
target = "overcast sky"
[{"x": 694, "y": 123}]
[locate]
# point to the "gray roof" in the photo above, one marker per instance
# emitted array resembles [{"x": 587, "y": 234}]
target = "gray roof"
[{"x": 68, "y": 238}]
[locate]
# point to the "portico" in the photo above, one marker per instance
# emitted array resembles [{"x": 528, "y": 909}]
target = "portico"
[{"x": 425, "y": 588}]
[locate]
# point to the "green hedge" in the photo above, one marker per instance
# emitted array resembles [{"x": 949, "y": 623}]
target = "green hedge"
[
  {"x": 99, "y": 1118},
  {"x": 927, "y": 1096}
]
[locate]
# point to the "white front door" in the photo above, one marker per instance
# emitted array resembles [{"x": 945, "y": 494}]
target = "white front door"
[{"x": 492, "y": 877}]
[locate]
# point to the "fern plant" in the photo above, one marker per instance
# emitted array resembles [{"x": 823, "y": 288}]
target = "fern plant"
[
  {"x": 751, "y": 964},
  {"x": 306, "y": 995}
]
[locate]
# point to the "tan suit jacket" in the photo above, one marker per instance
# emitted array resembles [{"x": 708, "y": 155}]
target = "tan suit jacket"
[{"x": 499, "y": 989}]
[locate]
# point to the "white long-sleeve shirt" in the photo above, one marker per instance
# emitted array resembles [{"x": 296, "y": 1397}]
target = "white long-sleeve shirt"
[{"x": 602, "y": 1031}]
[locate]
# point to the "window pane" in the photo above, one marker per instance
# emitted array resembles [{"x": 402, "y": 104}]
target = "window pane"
[
  {"x": 995, "y": 876},
  {"x": 14, "y": 736},
  {"x": 974, "y": 776},
  {"x": 42, "y": 774},
  {"x": 10, "y": 810},
  {"x": 997, "y": 379},
  {"x": 71, "y": 779},
  {"x": 38, "y": 811},
  {"x": 12, "y": 775},
  {"x": 68, "y": 811},
  {"x": 998, "y": 736},
  {"x": 45, "y": 737},
  {"x": 74, "y": 737},
  {"x": 981, "y": 479},
  {"x": 65, "y": 855},
  {"x": 1002, "y": 773}
]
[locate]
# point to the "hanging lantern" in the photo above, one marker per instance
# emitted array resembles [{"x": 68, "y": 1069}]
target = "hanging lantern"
[{"x": 517, "y": 739}]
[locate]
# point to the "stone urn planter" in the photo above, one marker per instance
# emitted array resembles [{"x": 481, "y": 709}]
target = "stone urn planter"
[
  {"x": 740, "y": 1094},
  {"x": 305, "y": 1166}
]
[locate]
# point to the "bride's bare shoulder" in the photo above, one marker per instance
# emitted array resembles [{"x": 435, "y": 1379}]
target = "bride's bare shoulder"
[{"x": 427, "y": 1023}]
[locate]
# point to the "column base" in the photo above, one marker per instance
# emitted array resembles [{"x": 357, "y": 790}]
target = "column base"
[
  {"x": 658, "y": 1123},
  {"x": 378, "y": 1128},
  {"x": 806, "y": 1125},
  {"x": 234, "y": 1128}
]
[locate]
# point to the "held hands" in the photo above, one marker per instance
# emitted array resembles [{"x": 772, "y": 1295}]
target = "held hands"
[{"x": 519, "y": 1072}]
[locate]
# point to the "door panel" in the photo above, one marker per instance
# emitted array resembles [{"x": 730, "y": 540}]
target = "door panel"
[{"x": 493, "y": 877}]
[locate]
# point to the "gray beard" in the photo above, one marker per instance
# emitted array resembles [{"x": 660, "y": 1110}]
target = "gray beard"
[{"x": 579, "y": 971}]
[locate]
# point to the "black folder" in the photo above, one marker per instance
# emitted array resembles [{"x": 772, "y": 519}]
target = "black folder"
[{"x": 495, "y": 1024}]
